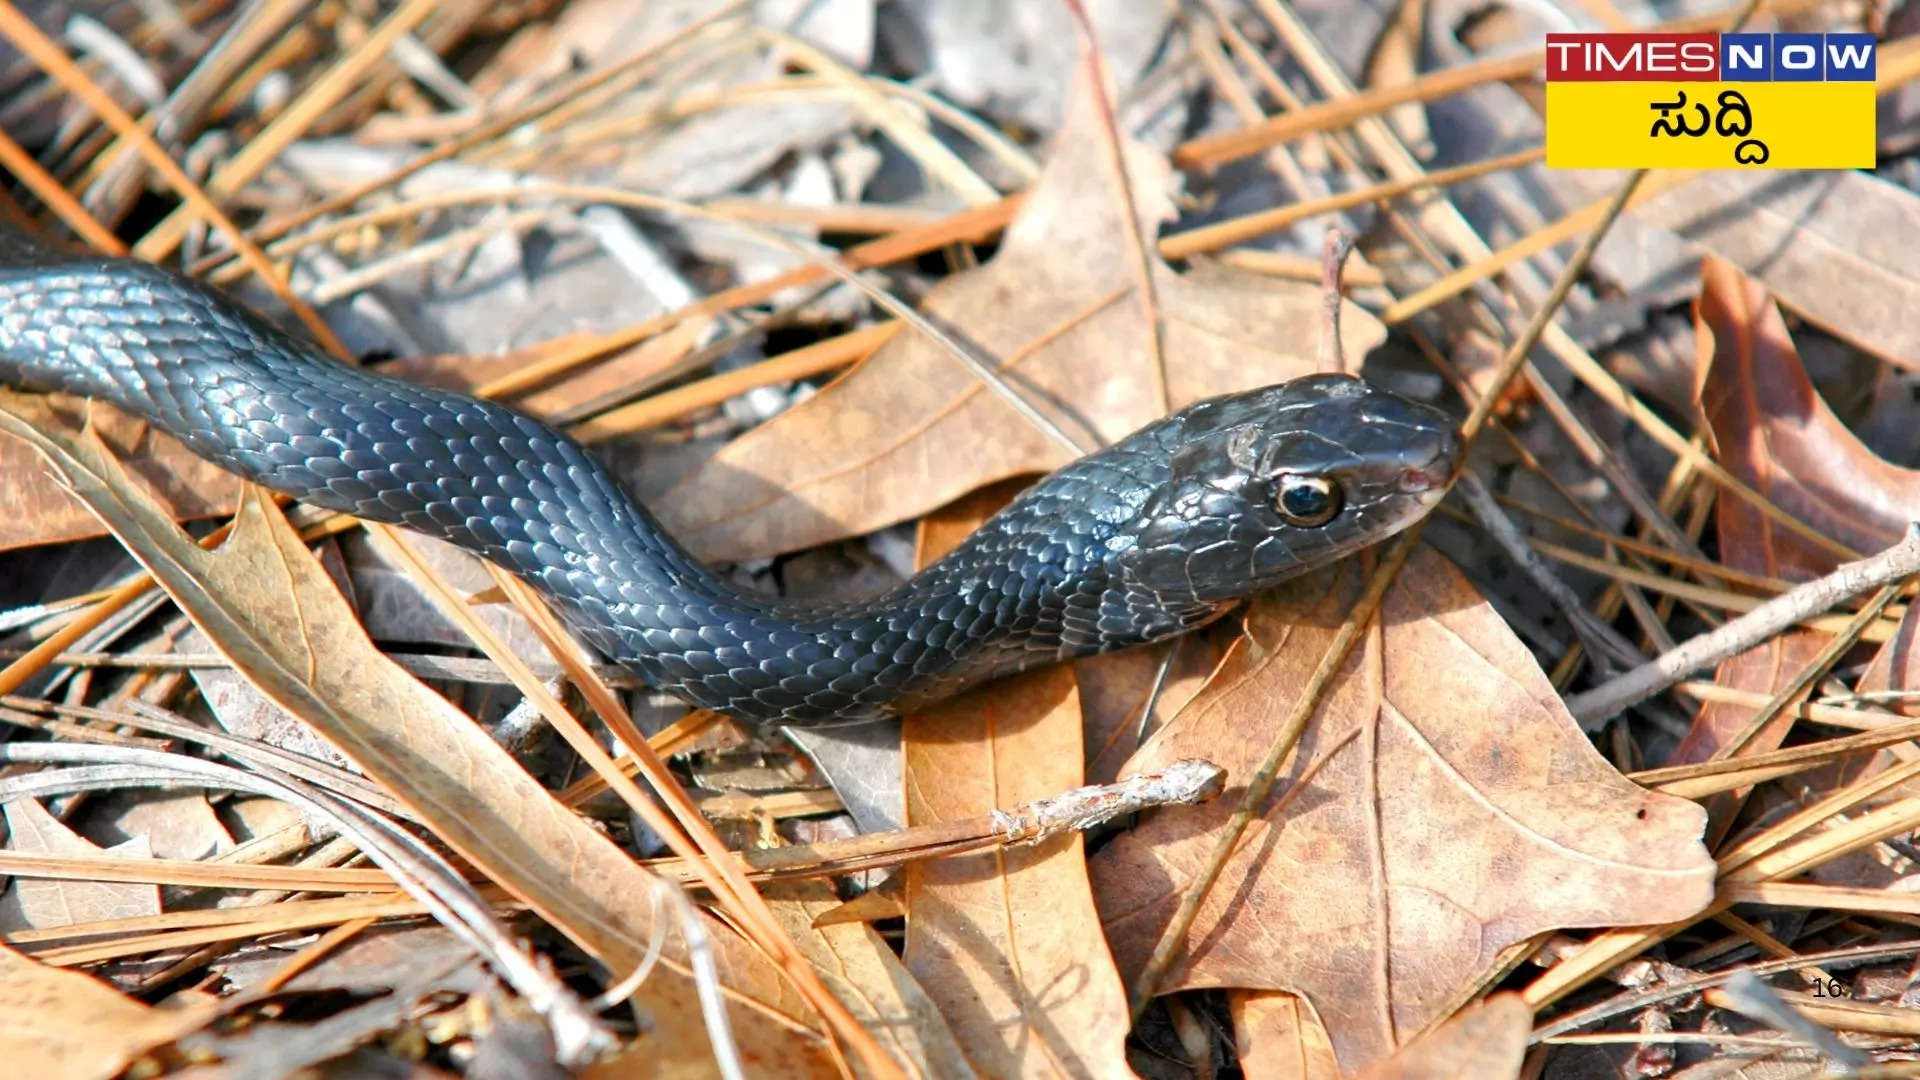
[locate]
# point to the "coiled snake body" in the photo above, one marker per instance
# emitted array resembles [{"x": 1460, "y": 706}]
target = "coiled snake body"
[{"x": 1142, "y": 540}]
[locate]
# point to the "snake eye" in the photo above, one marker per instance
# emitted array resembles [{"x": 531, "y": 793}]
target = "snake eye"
[{"x": 1307, "y": 501}]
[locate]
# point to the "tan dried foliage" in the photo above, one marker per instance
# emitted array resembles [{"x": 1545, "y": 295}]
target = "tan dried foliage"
[
  {"x": 46, "y": 903},
  {"x": 36, "y": 509},
  {"x": 1485, "y": 1042},
  {"x": 1277, "y": 1037},
  {"x": 864, "y": 973},
  {"x": 1451, "y": 810},
  {"x": 1836, "y": 246},
  {"x": 66, "y": 1024}
]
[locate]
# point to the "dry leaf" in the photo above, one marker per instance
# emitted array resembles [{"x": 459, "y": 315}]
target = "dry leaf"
[
  {"x": 1115, "y": 687},
  {"x": 1454, "y": 809},
  {"x": 1061, "y": 312},
  {"x": 43, "y": 903},
  {"x": 36, "y": 509},
  {"x": 388, "y": 971},
  {"x": 69, "y": 1025},
  {"x": 863, "y": 972},
  {"x": 1277, "y": 1037},
  {"x": 1771, "y": 429},
  {"x": 1836, "y": 246},
  {"x": 268, "y": 606},
  {"x": 174, "y": 824},
  {"x": 1007, "y": 940},
  {"x": 1484, "y": 1042}
]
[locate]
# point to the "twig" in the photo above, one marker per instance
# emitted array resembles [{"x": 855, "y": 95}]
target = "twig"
[
  {"x": 1334, "y": 250},
  {"x": 1812, "y": 672},
  {"x": 1600, "y": 639},
  {"x": 1832, "y": 960},
  {"x": 1850, "y": 579},
  {"x": 1187, "y": 781}
]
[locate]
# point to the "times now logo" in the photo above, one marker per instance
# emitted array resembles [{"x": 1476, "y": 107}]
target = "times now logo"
[{"x": 1710, "y": 57}]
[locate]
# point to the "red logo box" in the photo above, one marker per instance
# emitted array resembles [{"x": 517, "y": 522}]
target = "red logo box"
[{"x": 1633, "y": 57}]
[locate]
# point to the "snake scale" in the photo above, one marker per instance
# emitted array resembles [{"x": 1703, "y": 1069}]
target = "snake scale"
[{"x": 1147, "y": 538}]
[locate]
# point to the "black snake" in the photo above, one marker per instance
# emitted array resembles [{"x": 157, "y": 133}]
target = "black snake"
[{"x": 1147, "y": 538}]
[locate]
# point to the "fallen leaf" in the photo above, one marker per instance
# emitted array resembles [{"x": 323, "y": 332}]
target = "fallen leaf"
[
  {"x": 43, "y": 904},
  {"x": 1277, "y": 1037},
  {"x": 1115, "y": 687},
  {"x": 271, "y": 609},
  {"x": 1835, "y": 246},
  {"x": 1061, "y": 315},
  {"x": 863, "y": 972},
  {"x": 173, "y": 824},
  {"x": 391, "y": 970},
  {"x": 1484, "y": 1042},
  {"x": 36, "y": 509},
  {"x": 1770, "y": 428},
  {"x": 70, "y": 1025},
  {"x": 1453, "y": 809},
  {"x": 1007, "y": 941}
]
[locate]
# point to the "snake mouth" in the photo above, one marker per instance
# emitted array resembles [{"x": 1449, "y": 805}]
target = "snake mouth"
[
  {"x": 1431, "y": 483},
  {"x": 1432, "y": 479}
]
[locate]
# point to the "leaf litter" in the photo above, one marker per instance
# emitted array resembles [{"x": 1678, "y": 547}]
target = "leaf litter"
[{"x": 1442, "y": 831}]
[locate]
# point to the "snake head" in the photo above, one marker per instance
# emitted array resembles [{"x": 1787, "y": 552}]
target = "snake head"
[{"x": 1268, "y": 483}]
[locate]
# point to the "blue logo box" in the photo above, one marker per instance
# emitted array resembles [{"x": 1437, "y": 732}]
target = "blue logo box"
[{"x": 1798, "y": 58}]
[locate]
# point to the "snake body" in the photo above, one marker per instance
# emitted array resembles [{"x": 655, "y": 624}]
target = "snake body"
[{"x": 1147, "y": 538}]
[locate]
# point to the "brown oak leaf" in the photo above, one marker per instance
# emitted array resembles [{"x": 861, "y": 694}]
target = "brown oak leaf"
[{"x": 1442, "y": 808}]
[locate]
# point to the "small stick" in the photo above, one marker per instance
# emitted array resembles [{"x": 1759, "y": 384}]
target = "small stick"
[
  {"x": 1850, "y": 579},
  {"x": 1602, "y": 640},
  {"x": 1333, "y": 256},
  {"x": 1187, "y": 781}
]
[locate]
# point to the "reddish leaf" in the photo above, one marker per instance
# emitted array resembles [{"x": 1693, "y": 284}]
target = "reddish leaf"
[{"x": 1771, "y": 429}]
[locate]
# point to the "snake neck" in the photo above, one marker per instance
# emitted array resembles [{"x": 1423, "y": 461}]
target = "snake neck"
[
  {"x": 1035, "y": 584},
  {"x": 1039, "y": 582}
]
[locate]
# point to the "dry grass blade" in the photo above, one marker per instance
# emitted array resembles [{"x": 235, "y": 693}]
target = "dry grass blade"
[
  {"x": 719, "y": 867},
  {"x": 687, "y": 832},
  {"x": 1239, "y": 230},
  {"x": 1892, "y": 565}
]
